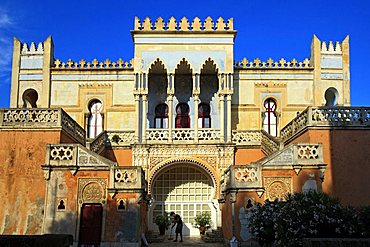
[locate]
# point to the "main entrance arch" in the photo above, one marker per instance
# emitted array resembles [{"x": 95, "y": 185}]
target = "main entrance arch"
[{"x": 186, "y": 189}]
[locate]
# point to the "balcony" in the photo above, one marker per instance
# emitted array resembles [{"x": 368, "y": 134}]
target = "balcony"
[
  {"x": 41, "y": 118},
  {"x": 338, "y": 116}
]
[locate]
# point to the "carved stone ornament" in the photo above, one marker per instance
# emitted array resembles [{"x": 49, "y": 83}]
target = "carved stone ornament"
[
  {"x": 247, "y": 174},
  {"x": 92, "y": 190},
  {"x": 277, "y": 187}
]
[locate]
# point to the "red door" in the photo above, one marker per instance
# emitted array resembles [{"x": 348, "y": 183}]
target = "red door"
[{"x": 90, "y": 226}]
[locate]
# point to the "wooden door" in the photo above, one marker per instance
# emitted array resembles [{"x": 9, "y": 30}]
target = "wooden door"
[{"x": 90, "y": 225}]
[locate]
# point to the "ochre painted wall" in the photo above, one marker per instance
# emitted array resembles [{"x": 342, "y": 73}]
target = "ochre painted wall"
[
  {"x": 345, "y": 152},
  {"x": 22, "y": 183},
  {"x": 122, "y": 156},
  {"x": 246, "y": 156}
]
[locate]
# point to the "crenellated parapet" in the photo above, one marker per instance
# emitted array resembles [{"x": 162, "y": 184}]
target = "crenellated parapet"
[
  {"x": 94, "y": 64},
  {"x": 32, "y": 49},
  {"x": 331, "y": 48},
  {"x": 184, "y": 24},
  {"x": 271, "y": 64}
]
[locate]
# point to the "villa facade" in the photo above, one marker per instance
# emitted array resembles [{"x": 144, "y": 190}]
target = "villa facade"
[{"x": 98, "y": 149}]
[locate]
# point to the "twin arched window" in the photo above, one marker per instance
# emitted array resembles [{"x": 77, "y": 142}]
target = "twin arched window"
[
  {"x": 95, "y": 121},
  {"x": 270, "y": 117},
  {"x": 182, "y": 119}
]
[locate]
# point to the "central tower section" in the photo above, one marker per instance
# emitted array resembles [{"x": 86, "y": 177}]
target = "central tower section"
[{"x": 183, "y": 80}]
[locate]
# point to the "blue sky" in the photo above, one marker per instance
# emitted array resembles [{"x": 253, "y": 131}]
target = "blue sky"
[{"x": 276, "y": 29}]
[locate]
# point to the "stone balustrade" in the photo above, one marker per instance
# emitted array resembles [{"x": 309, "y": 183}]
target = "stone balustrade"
[
  {"x": 247, "y": 137},
  {"x": 41, "y": 118},
  {"x": 269, "y": 143},
  {"x": 338, "y": 116},
  {"x": 127, "y": 178},
  {"x": 74, "y": 157}
]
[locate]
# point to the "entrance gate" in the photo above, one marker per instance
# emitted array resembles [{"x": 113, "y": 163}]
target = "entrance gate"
[
  {"x": 91, "y": 224},
  {"x": 186, "y": 190}
]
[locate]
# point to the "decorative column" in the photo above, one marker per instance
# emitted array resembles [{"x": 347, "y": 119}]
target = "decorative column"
[
  {"x": 137, "y": 110},
  {"x": 170, "y": 116},
  {"x": 196, "y": 92},
  {"x": 144, "y": 117},
  {"x": 170, "y": 93},
  {"x": 222, "y": 113},
  {"x": 196, "y": 103},
  {"x": 228, "y": 133}
]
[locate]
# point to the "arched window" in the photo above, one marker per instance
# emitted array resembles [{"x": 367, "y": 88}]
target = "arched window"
[
  {"x": 95, "y": 124},
  {"x": 204, "y": 116},
  {"x": 331, "y": 96},
  {"x": 270, "y": 117},
  {"x": 182, "y": 116},
  {"x": 30, "y": 98},
  {"x": 161, "y": 116}
]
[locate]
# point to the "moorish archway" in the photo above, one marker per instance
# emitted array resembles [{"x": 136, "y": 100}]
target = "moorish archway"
[{"x": 186, "y": 189}]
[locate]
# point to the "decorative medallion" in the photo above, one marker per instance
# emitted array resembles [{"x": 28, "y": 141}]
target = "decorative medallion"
[{"x": 278, "y": 187}]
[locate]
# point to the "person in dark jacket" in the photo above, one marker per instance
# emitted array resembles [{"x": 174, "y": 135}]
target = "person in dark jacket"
[{"x": 178, "y": 221}]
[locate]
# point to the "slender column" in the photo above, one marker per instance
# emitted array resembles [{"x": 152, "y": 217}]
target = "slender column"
[
  {"x": 222, "y": 112},
  {"x": 170, "y": 116},
  {"x": 196, "y": 103},
  {"x": 170, "y": 93},
  {"x": 232, "y": 83},
  {"x": 137, "y": 110},
  {"x": 228, "y": 134},
  {"x": 144, "y": 118}
]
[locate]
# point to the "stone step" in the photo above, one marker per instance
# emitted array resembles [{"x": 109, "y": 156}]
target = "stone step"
[
  {"x": 214, "y": 236},
  {"x": 154, "y": 237}
]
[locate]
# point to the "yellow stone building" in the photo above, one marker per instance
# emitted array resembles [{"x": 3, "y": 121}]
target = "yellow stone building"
[{"x": 181, "y": 127}]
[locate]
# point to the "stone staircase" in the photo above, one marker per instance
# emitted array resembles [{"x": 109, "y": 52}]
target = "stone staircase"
[{"x": 214, "y": 236}]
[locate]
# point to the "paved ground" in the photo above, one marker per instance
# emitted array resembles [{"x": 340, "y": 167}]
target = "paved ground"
[{"x": 188, "y": 242}]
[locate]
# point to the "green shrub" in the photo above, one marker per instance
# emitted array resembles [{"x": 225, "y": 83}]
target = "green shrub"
[{"x": 310, "y": 214}]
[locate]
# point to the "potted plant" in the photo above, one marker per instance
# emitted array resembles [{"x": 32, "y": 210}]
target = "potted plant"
[
  {"x": 202, "y": 221},
  {"x": 162, "y": 222}
]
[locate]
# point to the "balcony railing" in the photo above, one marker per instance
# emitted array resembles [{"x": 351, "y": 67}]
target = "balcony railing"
[
  {"x": 41, "y": 118},
  {"x": 339, "y": 116},
  {"x": 206, "y": 135}
]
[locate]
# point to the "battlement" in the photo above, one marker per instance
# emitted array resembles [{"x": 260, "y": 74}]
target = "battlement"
[
  {"x": 270, "y": 64},
  {"x": 32, "y": 49},
  {"x": 95, "y": 64},
  {"x": 183, "y": 24},
  {"x": 330, "y": 48}
]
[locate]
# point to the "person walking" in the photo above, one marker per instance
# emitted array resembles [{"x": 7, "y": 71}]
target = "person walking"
[{"x": 178, "y": 230}]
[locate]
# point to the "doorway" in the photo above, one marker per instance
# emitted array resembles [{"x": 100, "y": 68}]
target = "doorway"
[{"x": 91, "y": 225}]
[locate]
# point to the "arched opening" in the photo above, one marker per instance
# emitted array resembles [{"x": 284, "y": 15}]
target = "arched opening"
[
  {"x": 30, "y": 97},
  {"x": 161, "y": 116},
  {"x": 182, "y": 116},
  {"x": 185, "y": 189},
  {"x": 121, "y": 205},
  {"x": 204, "y": 115},
  {"x": 183, "y": 84},
  {"x": 157, "y": 92},
  {"x": 95, "y": 120},
  {"x": 270, "y": 117},
  {"x": 331, "y": 96},
  {"x": 208, "y": 93}
]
